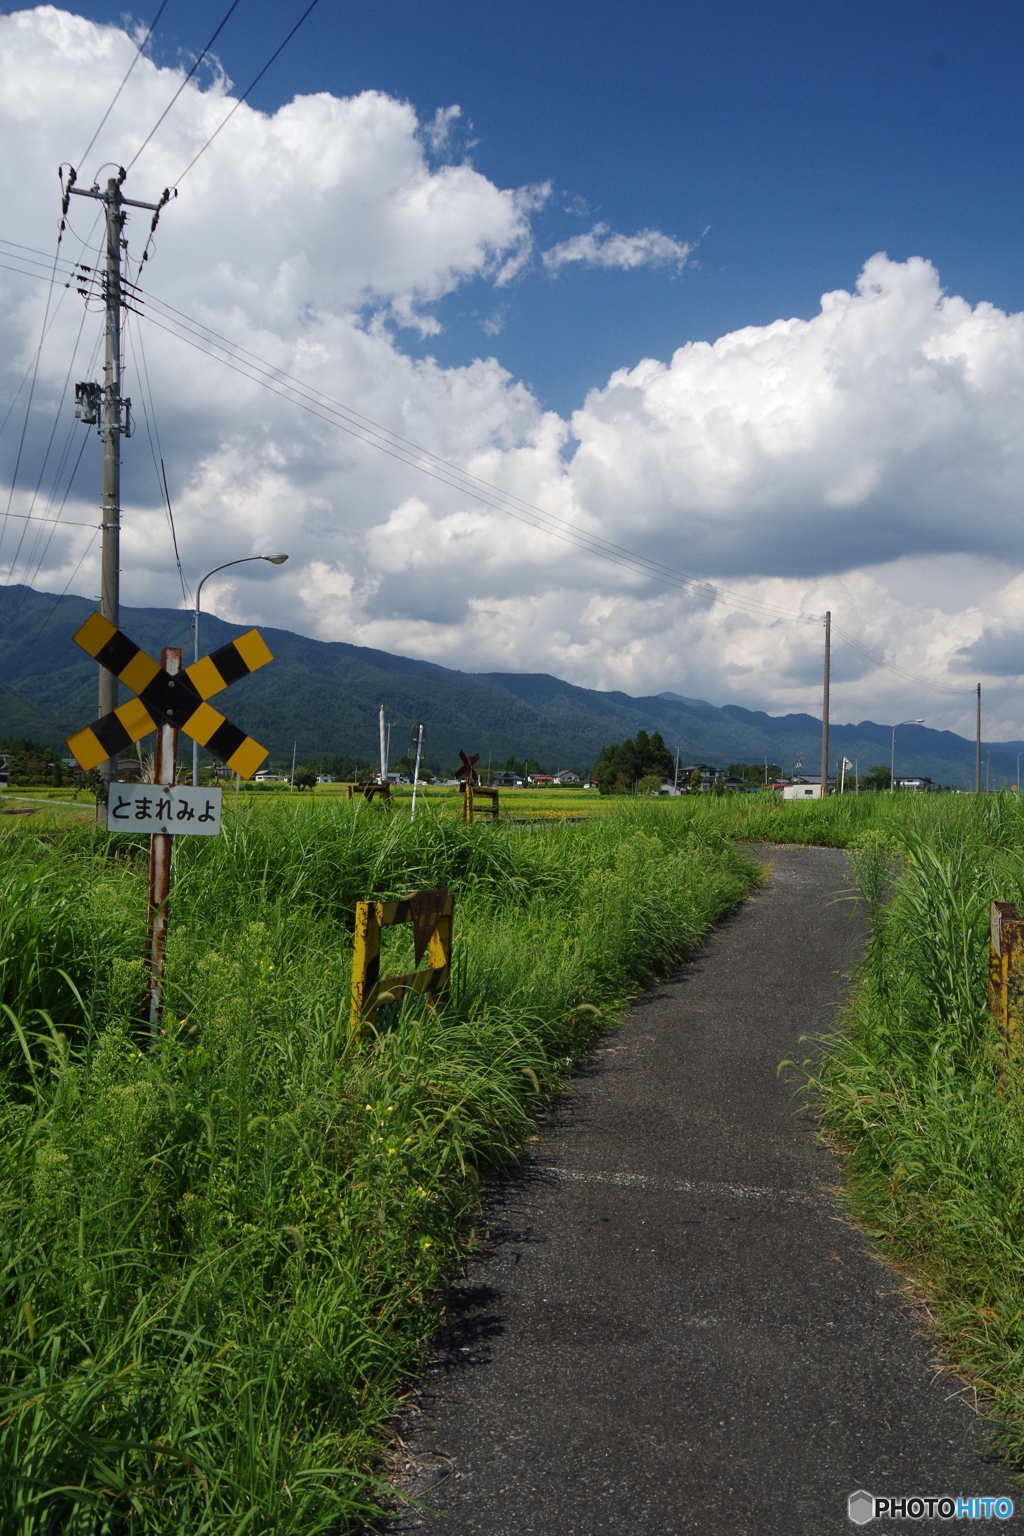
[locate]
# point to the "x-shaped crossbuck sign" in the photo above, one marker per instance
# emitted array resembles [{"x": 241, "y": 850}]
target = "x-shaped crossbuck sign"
[
  {"x": 166, "y": 700},
  {"x": 468, "y": 769}
]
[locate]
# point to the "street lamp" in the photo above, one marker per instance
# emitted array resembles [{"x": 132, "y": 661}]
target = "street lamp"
[
  {"x": 892, "y": 756},
  {"x": 273, "y": 560}
]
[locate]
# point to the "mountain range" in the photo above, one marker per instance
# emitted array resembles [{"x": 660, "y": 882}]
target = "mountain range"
[{"x": 323, "y": 697}]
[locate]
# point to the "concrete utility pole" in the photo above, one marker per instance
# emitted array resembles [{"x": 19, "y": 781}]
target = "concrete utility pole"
[
  {"x": 114, "y": 415},
  {"x": 977, "y": 748},
  {"x": 824, "y": 708}
]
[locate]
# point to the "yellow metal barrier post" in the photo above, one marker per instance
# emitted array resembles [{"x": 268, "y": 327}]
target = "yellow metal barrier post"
[
  {"x": 431, "y": 914},
  {"x": 1006, "y": 971}
]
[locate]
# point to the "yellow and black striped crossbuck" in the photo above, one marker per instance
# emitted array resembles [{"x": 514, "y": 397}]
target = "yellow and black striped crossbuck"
[{"x": 166, "y": 700}]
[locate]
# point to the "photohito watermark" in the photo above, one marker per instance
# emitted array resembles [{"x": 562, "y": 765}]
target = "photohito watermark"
[{"x": 863, "y": 1506}]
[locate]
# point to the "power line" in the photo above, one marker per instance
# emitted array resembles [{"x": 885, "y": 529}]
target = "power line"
[
  {"x": 251, "y": 86},
  {"x": 892, "y": 666},
  {"x": 391, "y": 443},
  {"x": 38, "y": 517},
  {"x": 315, "y": 403},
  {"x": 61, "y": 595},
  {"x": 60, "y": 521},
  {"x": 220, "y": 27},
  {"x": 155, "y": 449},
  {"x": 297, "y": 392},
  {"x": 45, "y": 329},
  {"x": 124, "y": 82},
  {"x": 258, "y": 370},
  {"x": 32, "y": 390}
]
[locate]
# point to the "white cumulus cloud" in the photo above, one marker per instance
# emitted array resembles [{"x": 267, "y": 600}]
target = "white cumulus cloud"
[
  {"x": 867, "y": 459},
  {"x": 604, "y": 247}
]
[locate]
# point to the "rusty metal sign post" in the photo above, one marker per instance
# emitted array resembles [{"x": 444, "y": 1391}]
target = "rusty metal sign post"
[
  {"x": 165, "y": 760},
  {"x": 1006, "y": 972},
  {"x": 167, "y": 700},
  {"x": 472, "y": 789}
]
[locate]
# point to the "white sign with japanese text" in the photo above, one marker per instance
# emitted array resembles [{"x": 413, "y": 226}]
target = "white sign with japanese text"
[{"x": 157, "y": 808}]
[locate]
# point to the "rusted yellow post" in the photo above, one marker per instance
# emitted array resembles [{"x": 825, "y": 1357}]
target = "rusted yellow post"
[
  {"x": 431, "y": 914},
  {"x": 365, "y": 959},
  {"x": 439, "y": 949},
  {"x": 1006, "y": 971}
]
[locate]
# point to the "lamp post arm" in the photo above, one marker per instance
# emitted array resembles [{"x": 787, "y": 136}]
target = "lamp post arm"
[{"x": 243, "y": 560}]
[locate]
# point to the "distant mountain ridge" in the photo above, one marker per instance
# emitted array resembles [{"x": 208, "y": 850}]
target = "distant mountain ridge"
[{"x": 324, "y": 696}]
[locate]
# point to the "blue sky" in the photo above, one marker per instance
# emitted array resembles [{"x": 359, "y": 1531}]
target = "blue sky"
[
  {"x": 802, "y": 137},
  {"x": 644, "y": 352}
]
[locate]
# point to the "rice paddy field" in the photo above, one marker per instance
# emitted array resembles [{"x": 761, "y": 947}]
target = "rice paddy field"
[{"x": 224, "y": 1252}]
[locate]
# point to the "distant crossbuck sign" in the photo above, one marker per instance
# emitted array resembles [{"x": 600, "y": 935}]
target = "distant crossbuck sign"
[
  {"x": 159, "y": 808},
  {"x": 166, "y": 700}
]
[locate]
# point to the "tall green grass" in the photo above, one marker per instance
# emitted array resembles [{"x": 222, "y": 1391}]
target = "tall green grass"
[
  {"x": 222, "y": 1256},
  {"x": 915, "y": 1088}
]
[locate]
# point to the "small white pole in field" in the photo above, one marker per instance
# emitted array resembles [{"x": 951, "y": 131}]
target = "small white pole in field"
[
  {"x": 419, "y": 730},
  {"x": 383, "y": 749}
]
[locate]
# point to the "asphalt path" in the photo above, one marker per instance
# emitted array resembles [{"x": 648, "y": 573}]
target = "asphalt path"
[{"x": 671, "y": 1328}]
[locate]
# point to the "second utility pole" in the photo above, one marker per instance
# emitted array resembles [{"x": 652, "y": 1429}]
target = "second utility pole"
[
  {"x": 824, "y": 709},
  {"x": 977, "y": 748}
]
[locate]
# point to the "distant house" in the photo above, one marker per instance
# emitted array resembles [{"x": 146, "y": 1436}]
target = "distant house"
[
  {"x": 567, "y": 777},
  {"x": 806, "y": 786},
  {"x": 708, "y": 776},
  {"x": 922, "y": 783},
  {"x": 503, "y": 779},
  {"x": 325, "y": 778},
  {"x": 541, "y": 778}
]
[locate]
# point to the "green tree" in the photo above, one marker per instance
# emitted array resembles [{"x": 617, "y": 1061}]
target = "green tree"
[
  {"x": 305, "y": 777},
  {"x": 877, "y": 778},
  {"x": 620, "y": 767}
]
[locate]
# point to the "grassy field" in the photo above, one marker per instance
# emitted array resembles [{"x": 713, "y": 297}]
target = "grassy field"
[
  {"x": 223, "y": 1256},
  {"x": 916, "y": 1090}
]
